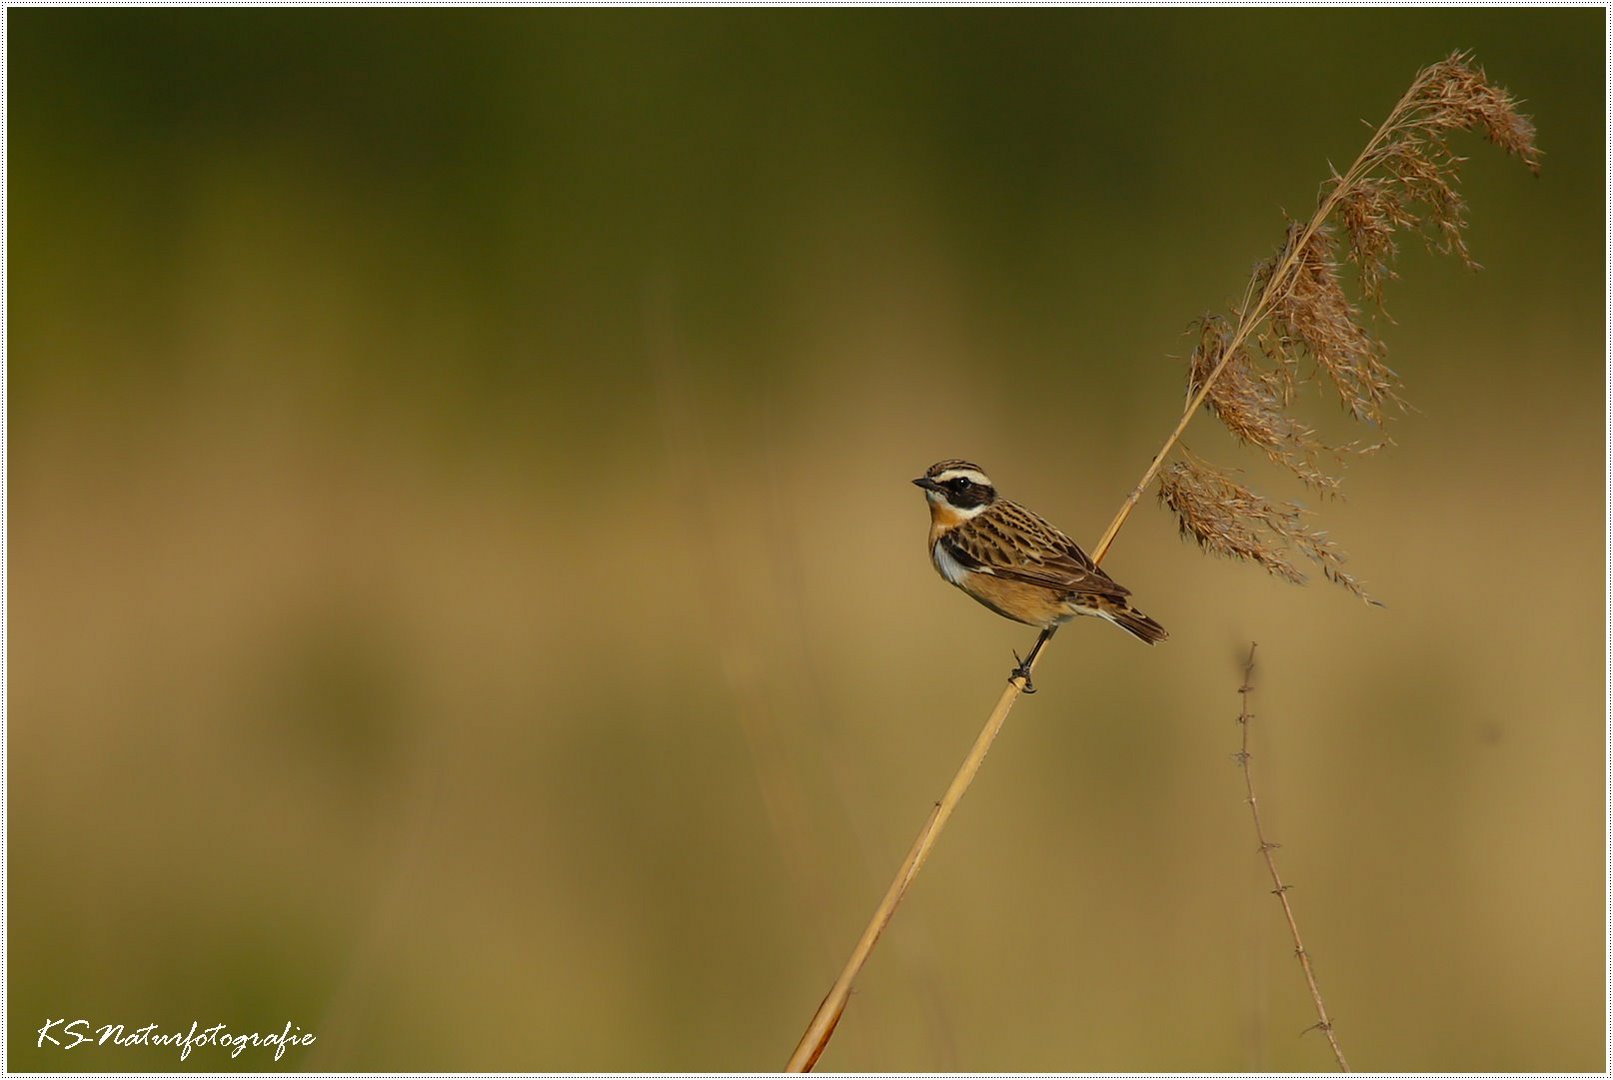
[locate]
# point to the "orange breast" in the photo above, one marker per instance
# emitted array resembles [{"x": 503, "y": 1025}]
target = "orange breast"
[
  {"x": 943, "y": 519},
  {"x": 1016, "y": 600}
]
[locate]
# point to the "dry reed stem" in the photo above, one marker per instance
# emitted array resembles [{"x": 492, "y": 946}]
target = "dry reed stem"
[
  {"x": 783, "y": 802},
  {"x": 1409, "y": 145},
  {"x": 1279, "y": 889},
  {"x": 821, "y": 1029}
]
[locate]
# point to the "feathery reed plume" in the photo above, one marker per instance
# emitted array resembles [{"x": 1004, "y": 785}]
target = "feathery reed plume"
[
  {"x": 1297, "y": 324},
  {"x": 1226, "y": 518},
  {"x": 1294, "y": 308},
  {"x": 1250, "y": 404},
  {"x": 1279, "y": 889}
]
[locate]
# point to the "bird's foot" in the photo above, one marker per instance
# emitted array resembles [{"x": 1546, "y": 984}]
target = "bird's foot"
[{"x": 1023, "y": 671}]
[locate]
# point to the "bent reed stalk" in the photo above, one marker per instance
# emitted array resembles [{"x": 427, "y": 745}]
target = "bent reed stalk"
[{"x": 1296, "y": 297}]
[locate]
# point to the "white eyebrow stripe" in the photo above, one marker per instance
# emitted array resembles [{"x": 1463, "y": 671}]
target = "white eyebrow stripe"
[{"x": 974, "y": 476}]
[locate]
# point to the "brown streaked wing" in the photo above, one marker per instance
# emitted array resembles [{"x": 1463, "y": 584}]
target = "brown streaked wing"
[{"x": 1016, "y": 544}]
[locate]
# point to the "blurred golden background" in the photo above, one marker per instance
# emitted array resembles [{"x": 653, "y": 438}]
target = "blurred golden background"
[{"x": 467, "y": 600}]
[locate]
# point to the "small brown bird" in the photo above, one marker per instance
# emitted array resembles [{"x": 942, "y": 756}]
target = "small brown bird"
[{"x": 1015, "y": 563}]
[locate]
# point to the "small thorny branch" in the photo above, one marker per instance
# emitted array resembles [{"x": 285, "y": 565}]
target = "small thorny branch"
[{"x": 1279, "y": 889}]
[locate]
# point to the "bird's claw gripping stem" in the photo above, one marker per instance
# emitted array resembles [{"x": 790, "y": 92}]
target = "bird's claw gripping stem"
[{"x": 1023, "y": 671}]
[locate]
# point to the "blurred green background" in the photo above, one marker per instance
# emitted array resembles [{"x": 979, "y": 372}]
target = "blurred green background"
[{"x": 467, "y": 601}]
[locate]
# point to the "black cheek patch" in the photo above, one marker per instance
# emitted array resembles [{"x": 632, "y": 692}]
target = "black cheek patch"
[{"x": 970, "y": 496}]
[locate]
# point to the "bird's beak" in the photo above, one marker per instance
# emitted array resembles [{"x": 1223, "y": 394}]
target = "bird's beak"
[{"x": 927, "y": 484}]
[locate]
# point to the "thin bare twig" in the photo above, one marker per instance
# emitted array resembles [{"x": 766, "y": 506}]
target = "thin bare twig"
[{"x": 1279, "y": 889}]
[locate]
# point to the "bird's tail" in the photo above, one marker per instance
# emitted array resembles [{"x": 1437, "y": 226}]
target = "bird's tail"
[{"x": 1134, "y": 622}]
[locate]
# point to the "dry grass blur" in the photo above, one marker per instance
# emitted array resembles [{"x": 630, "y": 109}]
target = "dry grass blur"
[{"x": 409, "y": 642}]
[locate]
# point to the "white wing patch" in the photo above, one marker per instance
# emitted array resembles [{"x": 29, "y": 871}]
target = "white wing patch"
[{"x": 951, "y": 569}]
